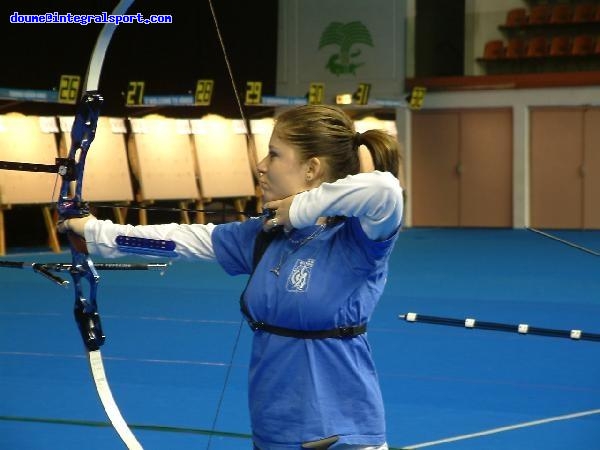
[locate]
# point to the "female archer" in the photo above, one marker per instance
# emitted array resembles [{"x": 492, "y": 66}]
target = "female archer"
[{"x": 318, "y": 266}]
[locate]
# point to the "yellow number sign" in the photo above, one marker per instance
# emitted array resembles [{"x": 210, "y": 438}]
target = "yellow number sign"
[
  {"x": 68, "y": 89},
  {"x": 204, "y": 91},
  {"x": 135, "y": 93},
  {"x": 362, "y": 93},
  {"x": 316, "y": 92},
  {"x": 253, "y": 92},
  {"x": 417, "y": 96}
]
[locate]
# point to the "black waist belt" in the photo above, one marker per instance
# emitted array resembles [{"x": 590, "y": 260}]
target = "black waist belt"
[{"x": 337, "y": 333}]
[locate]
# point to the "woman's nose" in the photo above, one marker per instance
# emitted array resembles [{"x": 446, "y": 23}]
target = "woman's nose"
[{"x": 262, "y": 166}]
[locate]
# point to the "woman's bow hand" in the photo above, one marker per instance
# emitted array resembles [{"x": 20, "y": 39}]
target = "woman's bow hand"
[
  {"x": 74, "y": 225},
  {"x": 281, "y": 214}
]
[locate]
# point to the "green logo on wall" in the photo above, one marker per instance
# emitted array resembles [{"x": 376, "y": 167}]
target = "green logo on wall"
[{"x": 345, "y": 35}]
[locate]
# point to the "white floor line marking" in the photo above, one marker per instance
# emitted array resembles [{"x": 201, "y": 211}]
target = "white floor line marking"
[
  {"x": 118, "y": 358},
  {"x": 502, "y": 429}
]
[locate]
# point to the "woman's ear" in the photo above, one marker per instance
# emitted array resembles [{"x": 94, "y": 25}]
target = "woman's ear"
[
  {"x": 365, "y": 159},
  {"x": 314, "y": 170}
]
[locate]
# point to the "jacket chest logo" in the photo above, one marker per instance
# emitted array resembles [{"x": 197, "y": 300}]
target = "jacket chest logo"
[{"x": 299, "y": 277}]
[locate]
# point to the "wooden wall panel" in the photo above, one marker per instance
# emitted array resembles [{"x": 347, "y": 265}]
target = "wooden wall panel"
[
  {"x": 486, "y": 168},
  {"x": 462, "y": 168},
  {"x": 434, "y": 190},
  {"x": 556, "y": 142},
  {"x": 591, "y": 161}
]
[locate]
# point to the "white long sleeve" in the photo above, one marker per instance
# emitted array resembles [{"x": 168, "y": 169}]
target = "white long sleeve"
[
  {"x": 374, "y": 197},
  {"x": 192, "y": 241}
]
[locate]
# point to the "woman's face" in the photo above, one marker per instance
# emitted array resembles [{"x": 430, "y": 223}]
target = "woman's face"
[{"x": 281, "y": 172}]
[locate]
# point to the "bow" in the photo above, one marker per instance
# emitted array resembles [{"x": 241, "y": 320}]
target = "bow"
[
  {"x": 70, "y": 206},
  {"x": 84, "y": 274}
]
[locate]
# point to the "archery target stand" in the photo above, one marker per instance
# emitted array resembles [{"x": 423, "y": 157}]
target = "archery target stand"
[
  {"x": 162, "y": 161},
  {"x": 222, "y": 161},
  {"x": 28, "y": 139}
]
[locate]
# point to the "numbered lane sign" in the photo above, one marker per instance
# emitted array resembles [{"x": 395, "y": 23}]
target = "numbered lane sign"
[
  {"x": 69, "y": 89},
  {"x": 204, "y": 91},
  {"x": 135, "y": 93}
]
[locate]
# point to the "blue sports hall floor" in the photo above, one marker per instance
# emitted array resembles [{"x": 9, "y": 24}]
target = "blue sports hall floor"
[{"x": 170, "y": 339}]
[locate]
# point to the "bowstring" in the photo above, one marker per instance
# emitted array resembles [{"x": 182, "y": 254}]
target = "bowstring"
[
  {"x": 227, "y": 63},
  {"x": 236, "y": 92},
  {"x": 52, "y": 201},
  {"x": 255, "y": 172}
]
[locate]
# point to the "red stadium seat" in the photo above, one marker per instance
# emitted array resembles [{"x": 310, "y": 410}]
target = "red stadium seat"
[
  {"x": 494, "y": 49},
  {"x": 539, "y": 15},
  {"x": 515, "y": 48},
  {"x": 584, "y": 12},
  {"x": 537, "y": 47},
  {"x": 516, "y": 17},
  {"x": 561, "y": 13},
  {"x": 582, "y": 45},
  {"x": 560, "y": 46}
]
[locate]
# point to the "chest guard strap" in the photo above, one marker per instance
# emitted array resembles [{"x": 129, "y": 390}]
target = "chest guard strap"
[
  {"x": 260, "y": 245},
  {"x": 336, "y": 333}
]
